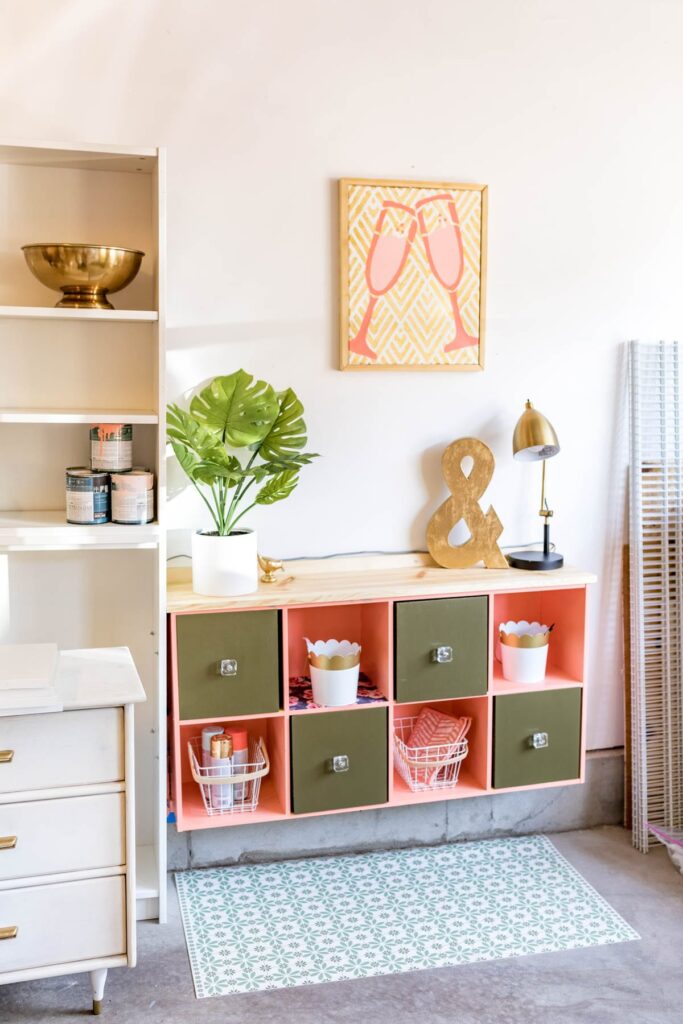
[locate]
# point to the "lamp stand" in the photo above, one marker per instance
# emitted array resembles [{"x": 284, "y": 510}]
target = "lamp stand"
[{"x": 539, "y": 561}]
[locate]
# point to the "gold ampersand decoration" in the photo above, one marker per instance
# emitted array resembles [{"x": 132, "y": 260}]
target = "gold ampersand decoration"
[{"x": 466, "y": 490}]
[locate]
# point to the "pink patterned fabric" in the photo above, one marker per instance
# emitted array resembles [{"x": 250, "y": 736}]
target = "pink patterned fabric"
[{"x": 433, "y": 728}]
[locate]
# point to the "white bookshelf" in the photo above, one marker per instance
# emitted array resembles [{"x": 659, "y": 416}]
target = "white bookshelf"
[{"x": 64, "y": 369}]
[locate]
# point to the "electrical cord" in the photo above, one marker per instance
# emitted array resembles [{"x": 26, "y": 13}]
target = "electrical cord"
[{"x": 412, "y": 551}]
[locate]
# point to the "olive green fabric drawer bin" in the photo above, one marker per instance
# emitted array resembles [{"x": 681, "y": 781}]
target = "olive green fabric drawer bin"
[
  {"x": 228, "y": 664},
  {"x": 441, "y": 648},
  {"x": 339, "y": 759},
  {"x": 537, "y": 738}
]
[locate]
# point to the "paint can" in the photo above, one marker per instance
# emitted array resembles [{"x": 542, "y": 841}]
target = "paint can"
[
  {"x": 87, "y": 497},
  {"x": 111, "y": 447},
  {"x": 132, "y": 497}
]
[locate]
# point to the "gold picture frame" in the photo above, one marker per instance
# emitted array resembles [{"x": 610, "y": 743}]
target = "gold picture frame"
[{"x": 412, "y": 257}]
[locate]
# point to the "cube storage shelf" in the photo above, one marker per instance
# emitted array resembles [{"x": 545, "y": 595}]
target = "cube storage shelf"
[
  {"x": 400, "y": 608},
  {"x": 63, "y": 369}
]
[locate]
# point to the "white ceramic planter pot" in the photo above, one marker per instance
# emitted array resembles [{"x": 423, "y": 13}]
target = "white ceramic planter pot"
[
  {"x": 224, "y": 566},
  {"x": 524, "y": 664},
  {"x": 333, "y": 688}
]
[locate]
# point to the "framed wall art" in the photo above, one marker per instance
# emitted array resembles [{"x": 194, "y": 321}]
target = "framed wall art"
[{"x": 413, "y": 275}]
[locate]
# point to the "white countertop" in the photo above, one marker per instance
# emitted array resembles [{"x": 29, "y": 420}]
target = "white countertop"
[
  {"x": 94, "y": 678},
  {"x": 98, "y": 677}
]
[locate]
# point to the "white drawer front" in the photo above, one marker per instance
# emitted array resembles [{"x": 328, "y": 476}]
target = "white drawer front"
[
  {"x": 57, "y": 924},
  {"x": 72, "y": 834},
  {"x": 67, "y": 748}
]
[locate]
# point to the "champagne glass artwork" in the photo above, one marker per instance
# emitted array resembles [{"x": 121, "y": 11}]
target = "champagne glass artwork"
[
  {"x": 386, "y": 258},
  {"x": 413, "y": 275},
  {"x": 442, "y": 236}
]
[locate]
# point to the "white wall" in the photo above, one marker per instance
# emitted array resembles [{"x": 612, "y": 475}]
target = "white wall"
[{"x": 569, "y": 112}]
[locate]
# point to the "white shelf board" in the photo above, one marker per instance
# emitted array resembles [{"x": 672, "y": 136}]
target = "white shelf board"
[
  {"x": 76, "y": 416},
  {"x": 57, "y": 313},
  {"x": 49, "y": 530},
  {"x": 78, "y": 157}
]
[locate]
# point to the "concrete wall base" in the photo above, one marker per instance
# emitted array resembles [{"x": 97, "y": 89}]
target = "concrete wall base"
[{"x": 598, "y": 802}]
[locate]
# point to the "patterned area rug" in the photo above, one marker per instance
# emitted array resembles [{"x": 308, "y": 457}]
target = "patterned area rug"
[{"x": 326, "y": 919}]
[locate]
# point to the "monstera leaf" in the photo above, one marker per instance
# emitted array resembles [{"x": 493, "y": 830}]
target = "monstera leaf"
[
  {"x": 199, "y": 452},
  {"x": 234, "y": 412},
  {"x": 287, "y": 435},
  {"x": 236, "y": 409},
  {"x": 278, "y": 488}
]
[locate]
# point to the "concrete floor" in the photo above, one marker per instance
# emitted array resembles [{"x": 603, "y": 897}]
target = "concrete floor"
[{"x": 630, "y": 983}]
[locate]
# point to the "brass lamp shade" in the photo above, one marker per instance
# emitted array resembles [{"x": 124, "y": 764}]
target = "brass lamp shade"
[
  {"x": 535, "y": 440},
  {"x": 534, "y": 437}
]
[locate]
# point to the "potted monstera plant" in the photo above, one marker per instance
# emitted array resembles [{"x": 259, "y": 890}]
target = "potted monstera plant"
[{"x": 241, "y": 445}]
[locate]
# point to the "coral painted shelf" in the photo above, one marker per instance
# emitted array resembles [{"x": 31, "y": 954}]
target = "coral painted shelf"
[{"x": 402, "y": 610}]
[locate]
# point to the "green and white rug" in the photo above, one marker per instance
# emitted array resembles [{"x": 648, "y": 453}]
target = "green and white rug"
[{"x": 326, "y": 919}]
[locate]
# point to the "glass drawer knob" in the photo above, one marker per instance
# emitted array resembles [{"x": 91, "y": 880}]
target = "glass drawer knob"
[
  {"x": 227, "y": 667},
  {"x": 538, "y": 740},
  {"x": 339, "y": 763},
  {"x": 442, "y": 655}
]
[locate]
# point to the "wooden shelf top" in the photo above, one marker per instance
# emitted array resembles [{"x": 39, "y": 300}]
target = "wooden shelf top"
[{"x": 356, "y": 578}]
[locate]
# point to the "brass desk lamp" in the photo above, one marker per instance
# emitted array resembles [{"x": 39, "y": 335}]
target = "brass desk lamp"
[{"x": 535, "y": 440}]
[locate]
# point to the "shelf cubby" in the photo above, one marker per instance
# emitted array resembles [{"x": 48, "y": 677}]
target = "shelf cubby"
[
  {"x": 36, "y": 455},
  {"x": 71, "y": 364},
  {"x": 565, "y": 610},
  {"x": 274, "y": 796},
  {"x": 95, "y": 204},
  {"x": 475, "y": 770},
  {"x": 368, "y": 624}
]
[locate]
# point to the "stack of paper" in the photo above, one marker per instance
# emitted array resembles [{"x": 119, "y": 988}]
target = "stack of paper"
[{"x": 27, "y": 678}]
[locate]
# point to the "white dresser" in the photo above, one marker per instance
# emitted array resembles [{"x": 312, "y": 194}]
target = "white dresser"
[{"x": 67, "y": 826}]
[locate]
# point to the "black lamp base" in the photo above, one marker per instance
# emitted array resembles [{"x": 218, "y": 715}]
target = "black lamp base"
[{"x": 535, "y": 560}]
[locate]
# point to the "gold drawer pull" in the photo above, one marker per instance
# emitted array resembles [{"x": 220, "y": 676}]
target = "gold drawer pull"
[
  {"x": 8, "y": 842},
  {"x": 9, "y": 933},
  {"x": 6, "y": 756}
]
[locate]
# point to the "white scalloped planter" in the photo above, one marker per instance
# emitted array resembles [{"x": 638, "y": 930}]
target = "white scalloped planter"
[
  {"x": 334, "y": 666},
  {"x": 224, "y": 566},
  {"x": 524, "y": 664}
]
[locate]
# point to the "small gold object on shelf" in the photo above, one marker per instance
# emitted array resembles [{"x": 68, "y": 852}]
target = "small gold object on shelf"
[
  {"x": 83, "y": 273},
  {"x": 269, "y": 567},
  {"x": 485, "y": 528}
]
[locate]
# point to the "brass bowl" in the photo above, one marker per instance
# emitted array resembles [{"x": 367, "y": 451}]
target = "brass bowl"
[{"x": 84, "y": 273}]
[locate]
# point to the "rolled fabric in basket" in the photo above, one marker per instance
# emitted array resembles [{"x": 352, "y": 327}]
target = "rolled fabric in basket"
[
  {"x": 442, "y": 732},
  {"x": 433, "y": 728}
]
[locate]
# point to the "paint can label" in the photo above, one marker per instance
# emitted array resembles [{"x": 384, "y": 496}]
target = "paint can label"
[
  {"x": 131, "y": 507},
  {"x": 111, "y": 447},
  {"x": 87, "y": 498}
]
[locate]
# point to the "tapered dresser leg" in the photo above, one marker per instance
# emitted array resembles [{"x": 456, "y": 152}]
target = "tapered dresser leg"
[{"x": 97, "y": 981}]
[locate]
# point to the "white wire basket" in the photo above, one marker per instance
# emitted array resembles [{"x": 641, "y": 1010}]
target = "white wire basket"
[
  {"x": 433, "y": 767},
  {"x": 234, "y": 793}
]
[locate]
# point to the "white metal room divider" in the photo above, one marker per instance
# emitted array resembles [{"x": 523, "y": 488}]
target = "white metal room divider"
[{"x": 656, "y": 588}]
